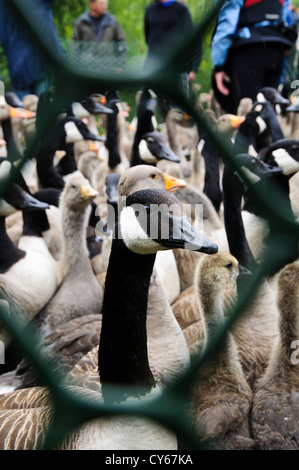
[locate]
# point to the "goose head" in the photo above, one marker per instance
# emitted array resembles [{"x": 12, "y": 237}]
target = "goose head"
[
  {"x": 218, "y": 270},
  {"x": 228, "y": 123},
  {"x": 77, "y": 193},
  {"x": 111, "y": 188},
  {"x": 260, "y": 174},
  {"x": 73, "y": 130},
  {"x": 154, "y": 147},
  {"x": 8, "y": 112},
  {"x": 12, "y": 99},
  {"x": 15, "y": 196},
  {"x": 152, "y": 220},
  {"x": 145, "y": 176},
  {"x": 285, "y": 154},
  {"x": 272, "y": 95},
  {"x": 87, "y": 106}
]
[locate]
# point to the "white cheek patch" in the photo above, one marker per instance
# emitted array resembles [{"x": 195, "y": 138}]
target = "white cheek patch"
[
  {"x": 260, "y": 97},
  {"x": 135, "y": 238},
  {"x": 258, "y": 108},
  {"x": 278, "y": 109},
  {"x": 145, "y": 154},
  {"x": 261, "y": 123},
  {"x": 5, "y": 168},
  {"x": 201, "y": 145},
  {"x": 285, "y": 161},
  {"x": 72, "y": 132},
  {"x": 79, "y": 110},
  {"x": 2, "y": 101},
  {"x": 6, "y": 209},
  {"x": 250, "y": 176}
]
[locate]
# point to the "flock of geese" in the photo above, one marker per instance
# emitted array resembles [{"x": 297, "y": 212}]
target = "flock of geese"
[{"x": 122, "y": 295}]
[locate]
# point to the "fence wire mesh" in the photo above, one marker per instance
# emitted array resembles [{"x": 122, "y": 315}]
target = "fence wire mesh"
[{"x": 80, "y": 72}]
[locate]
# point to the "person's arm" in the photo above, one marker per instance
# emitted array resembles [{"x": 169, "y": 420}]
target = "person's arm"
[{"x": 227, "y": 24}]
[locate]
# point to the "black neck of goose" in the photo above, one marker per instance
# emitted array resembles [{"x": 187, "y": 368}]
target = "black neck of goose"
[
  {"x": 246, "y": 135},
  {"x": 144, "y": 125},
  {"x": 9, "y": 252},
  {"x": 123, "y": 356},
  {"x": 47, "y": 172},
  {"x": 111, "y": 143},
  {"x": 12, "y": 151},
  {"x": 233, "y": 221},
  {"x": 35, "y": 223},
  {"x": 211, "y": 183},
  {"x": 67, "y": 164}
]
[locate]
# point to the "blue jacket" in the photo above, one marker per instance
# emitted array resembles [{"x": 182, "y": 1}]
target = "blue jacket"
[
  {"x": 227, "y": 26},
  {"x": 25, "y": 62}
]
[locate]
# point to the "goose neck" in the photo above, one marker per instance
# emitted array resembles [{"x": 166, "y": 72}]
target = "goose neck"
[
  {"x": 123, "y": 355},
  {"x": 9, "y": 252},
  {"x": 74, "y": 225}
]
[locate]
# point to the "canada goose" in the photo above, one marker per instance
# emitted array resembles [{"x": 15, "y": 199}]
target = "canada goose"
[
  {"x": 260, "y": 174},
  {"x": 221, "y": 395},
  {"x": 82, "y": 108},
  {"x": 28, "y": 278},
  {"x": 160, "y": 317},
  {"x": 130, "y": 266},
  {"x": 72, "y": 299},
  {"x": 275, "y": 409},
  {"x": 67, "y": 130},
  {"x": 273, "y": 96},
  {"x": 154, "y": 147}
]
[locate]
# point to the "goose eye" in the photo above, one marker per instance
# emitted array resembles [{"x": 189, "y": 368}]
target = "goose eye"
[
  {"x": 154, "y": 176},
  {"x": 294, "y": 147},
  {"x": 229, "y": 265},
  {"x": 73, "y": 186},
  {"x": 150, "y": 140}
]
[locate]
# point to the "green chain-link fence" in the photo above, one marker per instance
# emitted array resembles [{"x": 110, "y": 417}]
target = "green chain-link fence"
[{"x": 73, "y": 77}]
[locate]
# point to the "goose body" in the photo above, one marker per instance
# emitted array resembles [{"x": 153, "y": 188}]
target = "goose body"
[
  {"x": 72, "y": 299},
  {"x": 275, "y": 410},
  {"x": 221, "y": 395}
]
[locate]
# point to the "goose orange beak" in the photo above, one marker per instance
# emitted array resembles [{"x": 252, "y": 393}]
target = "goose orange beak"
[
  {"x": 172, "y": 184},
  {"x": 237, "y": 121},
  {"x": 87, "y": 192},
  {"x": 92, "y": 146},
  {"x": 21, "y": 113}
]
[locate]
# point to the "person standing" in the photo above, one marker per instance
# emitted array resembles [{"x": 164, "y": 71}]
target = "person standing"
[
  {"x": 166, "y": 24},
  {"x": 249, "y": 46},
  {"x": 29, "y": 71},
  {"x": 98, "y": 32}
]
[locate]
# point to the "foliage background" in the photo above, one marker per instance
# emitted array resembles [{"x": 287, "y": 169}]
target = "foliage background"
[{"x": 130, "y": 14}]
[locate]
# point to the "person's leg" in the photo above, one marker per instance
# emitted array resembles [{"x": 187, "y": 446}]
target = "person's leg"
[
  {"x": 247, "y": 72},
  {"x": 253, "y": 67},
  {"x": 274, "y": 65}
]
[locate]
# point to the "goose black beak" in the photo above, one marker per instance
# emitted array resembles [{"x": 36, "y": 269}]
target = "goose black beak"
[
  {"x": 293, "y": 107},
  {"x": 99, "y": 108},
  {"x": 166, "y": 153},
  {"x": 183, "y": 235},
  {"x": 88, "y": 135},
  {"x": 21, "y": 200},
  {"x": 244, "y": 271}
]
